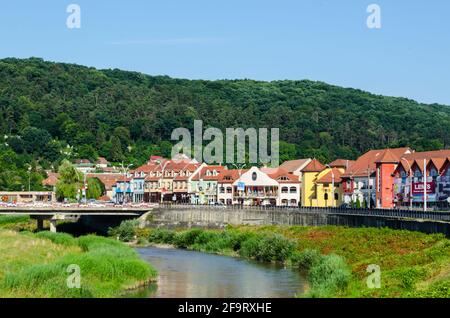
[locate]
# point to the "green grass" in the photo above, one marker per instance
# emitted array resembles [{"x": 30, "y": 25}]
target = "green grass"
[
  {"x": 335, "y": 259},
  {"x": 37, "y": 265}
]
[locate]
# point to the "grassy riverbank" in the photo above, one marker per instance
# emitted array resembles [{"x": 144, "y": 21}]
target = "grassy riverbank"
[
  {"x": 412, "y": 264},
  {"x": 40, "y": 264}
]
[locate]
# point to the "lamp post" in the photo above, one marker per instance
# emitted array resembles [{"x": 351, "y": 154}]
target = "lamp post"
[
  {"x": 332, "y": 186},
  {"x": 410, "y": 184}
]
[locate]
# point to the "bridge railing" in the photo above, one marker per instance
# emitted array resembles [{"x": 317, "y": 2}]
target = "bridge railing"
[{"x": 389, "y": 213}]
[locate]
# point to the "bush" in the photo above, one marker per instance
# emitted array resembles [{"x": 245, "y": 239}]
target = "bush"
[
  {"x": 268, "y": 248},
  {"x": 187, "y": 238},
  {"x": 126, "y": 231},
  {"x": 306, "y": 260},
  {"x": 329, "y": 276},
  {"x": 161, "y": 236}
]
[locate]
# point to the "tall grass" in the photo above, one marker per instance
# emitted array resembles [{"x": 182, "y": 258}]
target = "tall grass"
[{"x": 107, "y": 267}]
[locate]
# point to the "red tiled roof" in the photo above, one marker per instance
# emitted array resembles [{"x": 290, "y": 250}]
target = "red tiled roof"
[
  {"x": 280, "y": 173},
  {"x": 342, "y": 163},
  {"x": 202, "y": 173},
  {"x": 51, "y": 180},
  {"x": 314, "y": 166},
  {"x": 232, "y": 174},
  {"x": 328, "y": 177},
  {"x": 367, "y": 162},
  {"x": 292, "y": 165},
  {"x": 387, "y": 157}
]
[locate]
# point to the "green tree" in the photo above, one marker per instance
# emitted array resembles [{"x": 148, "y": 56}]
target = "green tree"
[
  {"x": 95, "y": 188},
  {"x": 68, "y": 182},
  {"x": 115, "y": 152}
]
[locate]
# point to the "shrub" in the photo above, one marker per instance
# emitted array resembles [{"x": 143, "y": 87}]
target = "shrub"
[
  {"x": 126, "y": 231},
  {"x": 268, "y": 248},
  {"x": 161, "y": 236},
  {"x": 305, "y": 260},
  {"x": 329, "y": 276},
  {"x": 187, "y": 238}
]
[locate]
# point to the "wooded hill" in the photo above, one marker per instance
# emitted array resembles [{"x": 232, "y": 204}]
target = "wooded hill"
[{"x": 44, "y": 107}]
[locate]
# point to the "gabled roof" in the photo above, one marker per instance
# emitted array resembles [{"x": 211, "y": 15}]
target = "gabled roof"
[
  {"x": 233, "y": 174},
  {"x": 367, "y": 162},
  {"x": 51, "y": 180},
  {"x": 202, "y": 174},
  {"x": 328, "y": 177},
  {"x": 280, "y": 174},
  {"x": 387, "y": 157},
  {"x": 445, "y": 153},
  {"x": 344, "y": 163},
  {"x": 314, "y": 166},
  {"x": 293, "y": 165}
]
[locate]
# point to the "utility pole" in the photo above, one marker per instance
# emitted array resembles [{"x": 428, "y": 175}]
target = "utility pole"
[
  {"x": 369, "y": 196},
  {"x": 425, "y": 185}
]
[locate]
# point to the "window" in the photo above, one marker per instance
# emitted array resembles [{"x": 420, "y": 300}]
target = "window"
[
  {"x": 325, "y": 196},
  {"x": 336, "y": 196},
  {"x": 433, "y": 172},
  {"x": 293, "y": 190},
  {"x": 222, "y": 190},
  {"x": 284, "y": 190},
  {"x": 284, "y": 202},
  {"x": 254, "y": 176},
  {"x": 229, "y": 190},
  {"x": 293, "y": 202}
]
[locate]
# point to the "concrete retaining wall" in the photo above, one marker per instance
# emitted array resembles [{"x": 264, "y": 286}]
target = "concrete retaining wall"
[{"x": 220, "y": 217}]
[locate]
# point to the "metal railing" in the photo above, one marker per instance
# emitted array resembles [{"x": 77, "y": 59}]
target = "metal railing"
[{"x": 387, "y": 213}]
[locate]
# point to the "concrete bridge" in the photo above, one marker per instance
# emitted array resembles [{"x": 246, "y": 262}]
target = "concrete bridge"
[{"x": 55, "y": 213}]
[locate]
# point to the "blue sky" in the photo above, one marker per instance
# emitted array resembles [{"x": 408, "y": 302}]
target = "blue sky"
[{"x": 258, "y": 39}]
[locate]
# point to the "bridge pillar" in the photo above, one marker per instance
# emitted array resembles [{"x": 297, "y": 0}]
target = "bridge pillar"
[
  {"x": 40, "y": 224},
  {"x": 53, "y": 225}
]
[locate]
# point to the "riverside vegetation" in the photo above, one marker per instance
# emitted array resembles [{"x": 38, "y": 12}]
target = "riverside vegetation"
[
  {"x": 335, "y": 259},
  {"x": 36, "y": 264}
]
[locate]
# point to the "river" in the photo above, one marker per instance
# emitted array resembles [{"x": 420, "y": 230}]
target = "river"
[{"x": 189, "y": 274}]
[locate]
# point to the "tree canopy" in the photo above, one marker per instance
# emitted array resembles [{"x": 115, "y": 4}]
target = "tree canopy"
[{"x": 54, "y": 111}]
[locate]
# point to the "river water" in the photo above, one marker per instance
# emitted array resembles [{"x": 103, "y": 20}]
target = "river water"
[{"x": 188, "y": 274}]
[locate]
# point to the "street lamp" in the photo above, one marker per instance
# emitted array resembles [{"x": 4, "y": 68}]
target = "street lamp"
[
  {"x": 410, "y": 184},
  {"x": 332, "y": 185}
]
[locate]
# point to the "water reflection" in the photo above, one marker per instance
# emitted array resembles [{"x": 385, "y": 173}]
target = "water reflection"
[{"x": 186, "y": 274}]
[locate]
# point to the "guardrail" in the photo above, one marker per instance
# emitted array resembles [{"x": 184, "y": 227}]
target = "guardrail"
[{"x": 388, "y": 213}]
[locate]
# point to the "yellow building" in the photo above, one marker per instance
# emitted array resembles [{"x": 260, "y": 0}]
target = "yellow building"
[{"x": 318, "y": 183}]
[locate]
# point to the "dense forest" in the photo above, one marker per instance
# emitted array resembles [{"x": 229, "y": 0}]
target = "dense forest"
[{"x": 54, "y": 111}]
